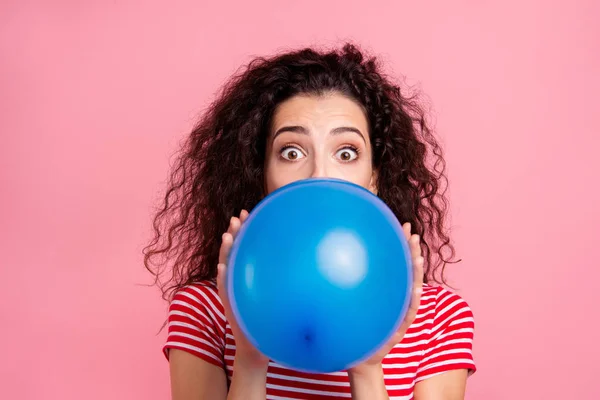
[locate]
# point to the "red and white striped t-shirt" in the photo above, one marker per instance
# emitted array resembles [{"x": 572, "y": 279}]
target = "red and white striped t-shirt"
[{"x": 440, "y": 339}]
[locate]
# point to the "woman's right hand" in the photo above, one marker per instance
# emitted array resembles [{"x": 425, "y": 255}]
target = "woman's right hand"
[{"x": 245, "y": 353}]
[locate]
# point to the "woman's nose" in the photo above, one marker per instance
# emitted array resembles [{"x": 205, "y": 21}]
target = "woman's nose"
[{"x": 319, "y": 170}]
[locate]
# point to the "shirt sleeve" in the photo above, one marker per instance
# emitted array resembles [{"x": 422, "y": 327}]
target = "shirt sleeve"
[
  {"x": 196, "y": 324},
  {"x": 451, "y": 341}
]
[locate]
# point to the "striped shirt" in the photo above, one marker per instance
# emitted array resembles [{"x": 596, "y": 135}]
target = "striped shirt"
[{"x": 440, "y": 339}]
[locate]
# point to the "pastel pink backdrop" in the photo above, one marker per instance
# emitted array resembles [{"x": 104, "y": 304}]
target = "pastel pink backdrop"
[{"x": 95, "y": 96}]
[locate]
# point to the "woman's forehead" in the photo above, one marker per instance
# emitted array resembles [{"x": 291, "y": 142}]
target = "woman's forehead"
[{"x": 318, "y": 109}]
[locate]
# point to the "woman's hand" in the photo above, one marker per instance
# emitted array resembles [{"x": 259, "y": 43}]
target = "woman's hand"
[
  {"x": 246, "y": 355},
  {"x": 372, "y": 366}
]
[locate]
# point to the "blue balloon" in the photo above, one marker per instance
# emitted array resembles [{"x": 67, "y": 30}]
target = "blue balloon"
[{"x": 320, "y": 275}]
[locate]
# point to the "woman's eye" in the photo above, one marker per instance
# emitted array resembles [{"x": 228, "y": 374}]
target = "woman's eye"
[
  {"x": 347, "y": 154},
  {"x": 292, "y": 153}
]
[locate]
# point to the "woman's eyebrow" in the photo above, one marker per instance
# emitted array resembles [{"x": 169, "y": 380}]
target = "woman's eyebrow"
[{"x": 302, "y": 130}]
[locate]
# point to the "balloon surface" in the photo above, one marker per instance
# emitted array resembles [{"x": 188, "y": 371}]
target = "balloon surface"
[{"x": 320, "y": 275}]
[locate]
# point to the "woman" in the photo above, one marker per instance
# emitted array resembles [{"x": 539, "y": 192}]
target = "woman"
[{"x": 294, "y": 116}]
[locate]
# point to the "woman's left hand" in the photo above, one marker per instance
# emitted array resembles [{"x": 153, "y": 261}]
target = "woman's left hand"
[{"x": 417, "y": 260}]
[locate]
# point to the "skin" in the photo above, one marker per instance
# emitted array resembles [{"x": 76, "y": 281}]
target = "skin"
[{"x": 310, "y": 136}]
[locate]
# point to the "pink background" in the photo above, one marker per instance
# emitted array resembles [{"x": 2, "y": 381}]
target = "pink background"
[{"x": 95, "y": 96}]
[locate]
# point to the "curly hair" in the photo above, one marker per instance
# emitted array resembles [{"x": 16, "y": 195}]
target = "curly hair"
[{"x": 220, "y": 168}]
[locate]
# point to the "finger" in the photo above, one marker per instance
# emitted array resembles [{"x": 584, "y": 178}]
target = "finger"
[
  {"x": 243, "y": 216},
  {"x": 415, "y": 246},
  {"x": 227, "y": 241},
  {"x": 230, "y": 224},
  {"x": 234, "y": 226},
  {"x": 406, "y": 228}
]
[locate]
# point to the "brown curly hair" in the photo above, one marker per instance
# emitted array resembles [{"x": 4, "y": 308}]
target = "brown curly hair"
[{"x": 220, "y": 167}]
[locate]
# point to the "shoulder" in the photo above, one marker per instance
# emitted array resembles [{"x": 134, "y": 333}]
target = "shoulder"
[
  {"x": 201, "y": 294},
  {"x": 443, "y": 299},
  {"x": 444, "y": 308},
  {"x": 198, "y": 304},
  {"x": 443, "y": 311}
]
